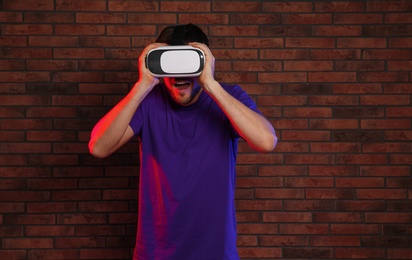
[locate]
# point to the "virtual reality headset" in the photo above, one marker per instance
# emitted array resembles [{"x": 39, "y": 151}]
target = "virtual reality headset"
[{"x": 175, "y": 61}]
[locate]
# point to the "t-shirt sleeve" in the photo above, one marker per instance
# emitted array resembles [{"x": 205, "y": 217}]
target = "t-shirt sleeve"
[
  {"x": 241, "y": 95},
  {"x": 136, "y": 123}
]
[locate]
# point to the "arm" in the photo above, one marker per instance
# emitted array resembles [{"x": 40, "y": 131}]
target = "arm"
[
  {"x": 253, "y": 127},
  {"x": 113, "y": 130}
]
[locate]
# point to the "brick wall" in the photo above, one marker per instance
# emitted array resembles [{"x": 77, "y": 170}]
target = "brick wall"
[{"x": 334, "y": 78}]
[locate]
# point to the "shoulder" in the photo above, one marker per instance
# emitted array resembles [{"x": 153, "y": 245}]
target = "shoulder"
[{"x": 232, "y": 89}]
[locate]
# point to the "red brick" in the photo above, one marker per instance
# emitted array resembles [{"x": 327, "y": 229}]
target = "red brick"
[
  {"x": 330, "y": 193},
  {"x": 28, "y": 5},
  {"x": 27, "y": 29},
  {"x": 361, "y": 159},
  {"x": 399, "y": 65},
  {"x": 335, "y": 147},
  {"x": 158, "y": 18},
  {"x": 337, "y": 217},
  {"x": 49, "y": 17},
  {"x": 21, "y": 100},
  {"x": 389, "y": 194},
  {"x": 129, "y": 5},
  {"x": 259, "y": 252},
  {"x": 360, "y": 253},
  {"x": 298, "y": 147},
  {"x": 395, "y": 253},
  {"x": 303, "y": 229},
  {"x": 398, "y": 135},
  {"x": 347, "y": 6},
  {"x": 245, "y": 18},
  {"x": 184, "y": 6},
  {"x": 333, "y": 100},
  {"x": 106, "y": 41},
  {"x": 397, "y": 18},
  {"x": 122, "y": 218},
  {"x": 357, "y": 18},
  {"x": 27, "y": 243},
  {"x": 385, "y": 170},
  {"x": 335, "y": 241},
  {"x": 306, "y": 136},
  {"x": 29, "y": 219},
  {"x": 308, "y": 66},
  {"x": 13, "y": 41},
  {"x": 312, "y": 18},
  {"x": 292, "y": 124},
  {"x": 337, "y": 30},
  {"x": 79, "y": 242},
  {"x": 77, "y": 77},
  {"x": 388, "y": 30},
  {"x": 335, "y": 54},
  {"x": 389, "y": 6},
  {"x": 103, "y": 253},
  {"x": 283, "y": 193},
  {"x": 256, "y": 66},
  {"x": 287, "y": 7},
  {"x": 385, "y": 100},
  {"x": 77, "y": 29},
  {"x": 78, "y": 53},
  {"x": 281, "y": 217},
  {"x": 262, "y": 43},
  {"x": 268, "y": 229},
  {"x": 282, "y": 77},
  {"x": 308, "y": 182},
  {"x": 245, "y": 182},
  {"x": 237, "y": 6},
  {"x": 356, "y": 229},
  {"x": 243, "y": 241},
  {"x": 285, "y": 31},
  {"x": 385, "y": 124},
  {"x": 334, "y": 170},
  {"x": 203, "y": 18},
  {"x": 400, "y": 159},
  {"x": 334, "y": 124},
  {"x": 361, "y": 205},
  {"x": 11, "y": 17},
  {"x": 258, "y": 205},
  {"x": 308, "y": 205},
  {"x": 306, "y": 88},
  {"x": 282, "y": 240},
  {"x": 25, "y": 147},
  {"x": 387, "y": 147},
  {"x": 403, "y": 42},
  {"x": 100, "y": 18},
  {"x": 258, "y": 158},
  {"x": 355, "y": 42},
  {"x": 29, "y": 53},
  {"x": 360, "y": 182},
  {"x": 87, "y": 5},
  {"x": 288, "y": 170}
]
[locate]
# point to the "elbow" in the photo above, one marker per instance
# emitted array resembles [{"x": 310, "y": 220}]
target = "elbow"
[
  {"x": 269, "y": 144},
  {"x": 96, "y": 152}
]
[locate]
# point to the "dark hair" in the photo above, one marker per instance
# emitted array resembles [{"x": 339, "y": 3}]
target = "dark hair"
[{"x": 182, "y": 35}]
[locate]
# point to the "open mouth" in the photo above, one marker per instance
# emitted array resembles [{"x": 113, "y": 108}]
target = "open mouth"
[{"x": 181, "y": 83}]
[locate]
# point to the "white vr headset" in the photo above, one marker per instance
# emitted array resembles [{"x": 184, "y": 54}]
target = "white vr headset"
[{"x": 175, "y": 61}]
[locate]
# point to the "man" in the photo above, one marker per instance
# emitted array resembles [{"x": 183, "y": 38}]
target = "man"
[{"x": 188, "y": 130}]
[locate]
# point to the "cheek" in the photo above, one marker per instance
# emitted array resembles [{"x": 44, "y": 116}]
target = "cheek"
[{"x": 166, "y": 81}]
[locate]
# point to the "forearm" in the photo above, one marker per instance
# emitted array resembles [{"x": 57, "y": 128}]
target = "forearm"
[
  {"x": 253, "y": 127},
  {"x": 110, "y": 132}
]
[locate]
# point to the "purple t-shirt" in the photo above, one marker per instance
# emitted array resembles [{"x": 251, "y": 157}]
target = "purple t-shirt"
[{"x": 187, "y": 178}]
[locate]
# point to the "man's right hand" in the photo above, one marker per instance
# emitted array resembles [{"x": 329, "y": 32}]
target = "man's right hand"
[{"x": 146, "y": 79}]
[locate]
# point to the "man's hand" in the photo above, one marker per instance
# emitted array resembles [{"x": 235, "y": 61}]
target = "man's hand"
[
  {"x": 146, "y": 79},
  {"x": 206, "y": 79}
]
